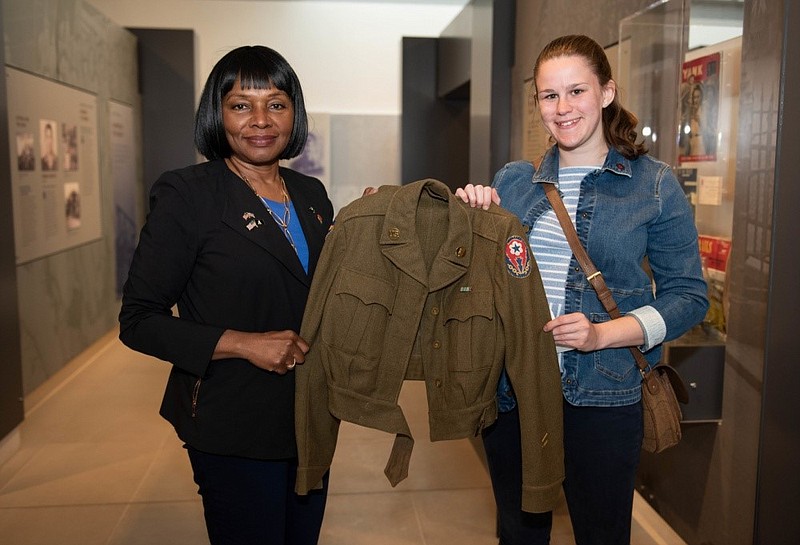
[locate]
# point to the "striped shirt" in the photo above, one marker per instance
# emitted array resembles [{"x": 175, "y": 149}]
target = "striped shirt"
[{"x": 548, "y": 242}]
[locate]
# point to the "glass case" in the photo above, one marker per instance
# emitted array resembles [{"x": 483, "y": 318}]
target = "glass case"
[{"x": 679, "y": 71}]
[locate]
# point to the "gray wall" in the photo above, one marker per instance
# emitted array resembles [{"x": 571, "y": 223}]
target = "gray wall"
[
  {"x": 736, "y": 483},
  {"x": 67, "y": 301},
  {"x": 364, "y": 152}
]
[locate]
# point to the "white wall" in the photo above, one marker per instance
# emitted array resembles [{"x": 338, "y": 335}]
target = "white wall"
[{"x": 346, "y": 54}]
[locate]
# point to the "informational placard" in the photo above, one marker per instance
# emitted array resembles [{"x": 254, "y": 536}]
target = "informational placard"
[
  {"x": 55, "y": 178},
  {"x": 709, "y": 190},
  {"x": 123, "y": 170}
]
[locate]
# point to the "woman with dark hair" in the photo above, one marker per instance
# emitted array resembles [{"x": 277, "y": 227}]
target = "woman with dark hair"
[
  {"x": 233, "y": 242},
  {"x": 626, "y": 207}
]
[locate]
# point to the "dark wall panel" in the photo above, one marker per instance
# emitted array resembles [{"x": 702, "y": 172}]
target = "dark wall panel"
[
  {"x": 503, "y": 35},
  {"x": 778, "y": 488},
  {"x": 11, "y": 408},
  {"x": 434, "y": 131},
  {"x": 167, "y": 86}
]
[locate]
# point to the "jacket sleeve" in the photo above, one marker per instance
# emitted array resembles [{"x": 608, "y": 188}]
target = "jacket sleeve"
[
  {"x": 674, "y": 257},
  {"x": 161, "y": 267},
  {"x": 532, "y": 367},
  {"x": 315, "y": 428}
]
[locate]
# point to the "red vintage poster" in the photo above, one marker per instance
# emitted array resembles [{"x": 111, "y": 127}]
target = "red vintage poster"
[{"x": 699, "y": 109}]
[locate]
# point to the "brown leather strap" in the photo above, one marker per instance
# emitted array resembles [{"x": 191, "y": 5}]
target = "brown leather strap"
[{"x": 594, "y": 276}]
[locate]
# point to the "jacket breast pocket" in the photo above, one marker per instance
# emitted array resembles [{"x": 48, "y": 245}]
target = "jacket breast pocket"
[
  {"x": 470, "y": 329},
  {"x": 361, "y": 307}
]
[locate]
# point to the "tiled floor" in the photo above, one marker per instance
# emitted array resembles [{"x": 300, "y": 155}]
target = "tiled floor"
[{"x": 97, "y": 465}]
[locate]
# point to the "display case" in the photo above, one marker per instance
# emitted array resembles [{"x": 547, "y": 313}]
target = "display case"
[
  {"x": 685, "y": 92},
  {"x": 680, "y": 60}
]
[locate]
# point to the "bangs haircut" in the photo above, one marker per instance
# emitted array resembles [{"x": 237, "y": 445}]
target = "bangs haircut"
[{"x": 256, "y": 67}]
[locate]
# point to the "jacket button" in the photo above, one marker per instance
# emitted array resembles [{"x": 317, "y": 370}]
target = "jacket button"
[
  {"x": 460, "y": 251},
  {"x": 435, "y": 311},
  {"x": 394, "y": 233},
  {"x": 437, "y": 345}
]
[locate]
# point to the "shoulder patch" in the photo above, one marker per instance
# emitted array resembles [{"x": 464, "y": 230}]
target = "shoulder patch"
[{"x": 518, "y": 257}]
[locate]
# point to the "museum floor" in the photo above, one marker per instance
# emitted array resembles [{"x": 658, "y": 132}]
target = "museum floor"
[{"x": 95, "y": 464}]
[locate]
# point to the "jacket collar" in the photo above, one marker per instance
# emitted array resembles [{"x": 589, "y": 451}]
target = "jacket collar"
[
  {"x": 548, "y": 169},
  {"x": 431, "y": 202},
  {"x": 246, "y": 214}
]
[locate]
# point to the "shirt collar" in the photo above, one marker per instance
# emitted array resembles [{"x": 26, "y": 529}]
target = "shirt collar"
[{"x": 615, "y": 163}]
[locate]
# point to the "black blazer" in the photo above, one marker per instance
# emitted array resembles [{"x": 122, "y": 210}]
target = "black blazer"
[{"x": 210, "y": 246}]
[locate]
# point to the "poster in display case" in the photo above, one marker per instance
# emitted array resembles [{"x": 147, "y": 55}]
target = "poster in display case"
[{"x": 699, "y": 106}]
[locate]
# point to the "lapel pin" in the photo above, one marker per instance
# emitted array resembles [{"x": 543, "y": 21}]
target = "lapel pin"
[
  {"x": 316, "y": 214},
  {"x": 252, "y": 221}
]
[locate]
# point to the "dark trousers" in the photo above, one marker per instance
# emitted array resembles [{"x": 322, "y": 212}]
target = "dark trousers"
[
  {"x": 503, "y": 447},
  {"x": 601, "y": 453},
  {"x": 252, "y": 502}
]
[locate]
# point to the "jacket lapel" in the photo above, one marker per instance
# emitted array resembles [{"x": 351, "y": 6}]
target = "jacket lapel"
[{"x": 247, "y": 215}]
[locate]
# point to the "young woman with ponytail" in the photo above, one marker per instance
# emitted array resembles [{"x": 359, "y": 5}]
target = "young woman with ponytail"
[{"x": 628, "y": 209}]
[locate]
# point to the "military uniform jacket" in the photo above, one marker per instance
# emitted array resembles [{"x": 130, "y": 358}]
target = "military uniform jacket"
[{"x": 414, "y": 284}]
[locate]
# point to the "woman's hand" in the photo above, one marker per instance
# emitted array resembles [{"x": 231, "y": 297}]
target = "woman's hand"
[
  {"x": 276, "y": 351},
  {"x": 574, "y": 330},
  {"x": 478, "y": 196},
  {"x": 369, "y": 190}
]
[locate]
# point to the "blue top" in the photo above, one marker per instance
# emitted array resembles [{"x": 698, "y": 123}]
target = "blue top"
[
  {"x": 627, "y": 210},
  {"x": 298, "y": 238}
]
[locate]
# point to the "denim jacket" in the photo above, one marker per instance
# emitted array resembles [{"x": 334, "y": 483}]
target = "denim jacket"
[{"x": 628, "y": 210}]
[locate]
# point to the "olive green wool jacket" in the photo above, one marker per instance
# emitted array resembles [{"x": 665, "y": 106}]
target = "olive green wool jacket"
[{"x": 414, "y": 284}]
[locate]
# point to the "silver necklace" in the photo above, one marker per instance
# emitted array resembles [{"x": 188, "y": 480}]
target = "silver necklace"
[{"x": 283, "y": 222}]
